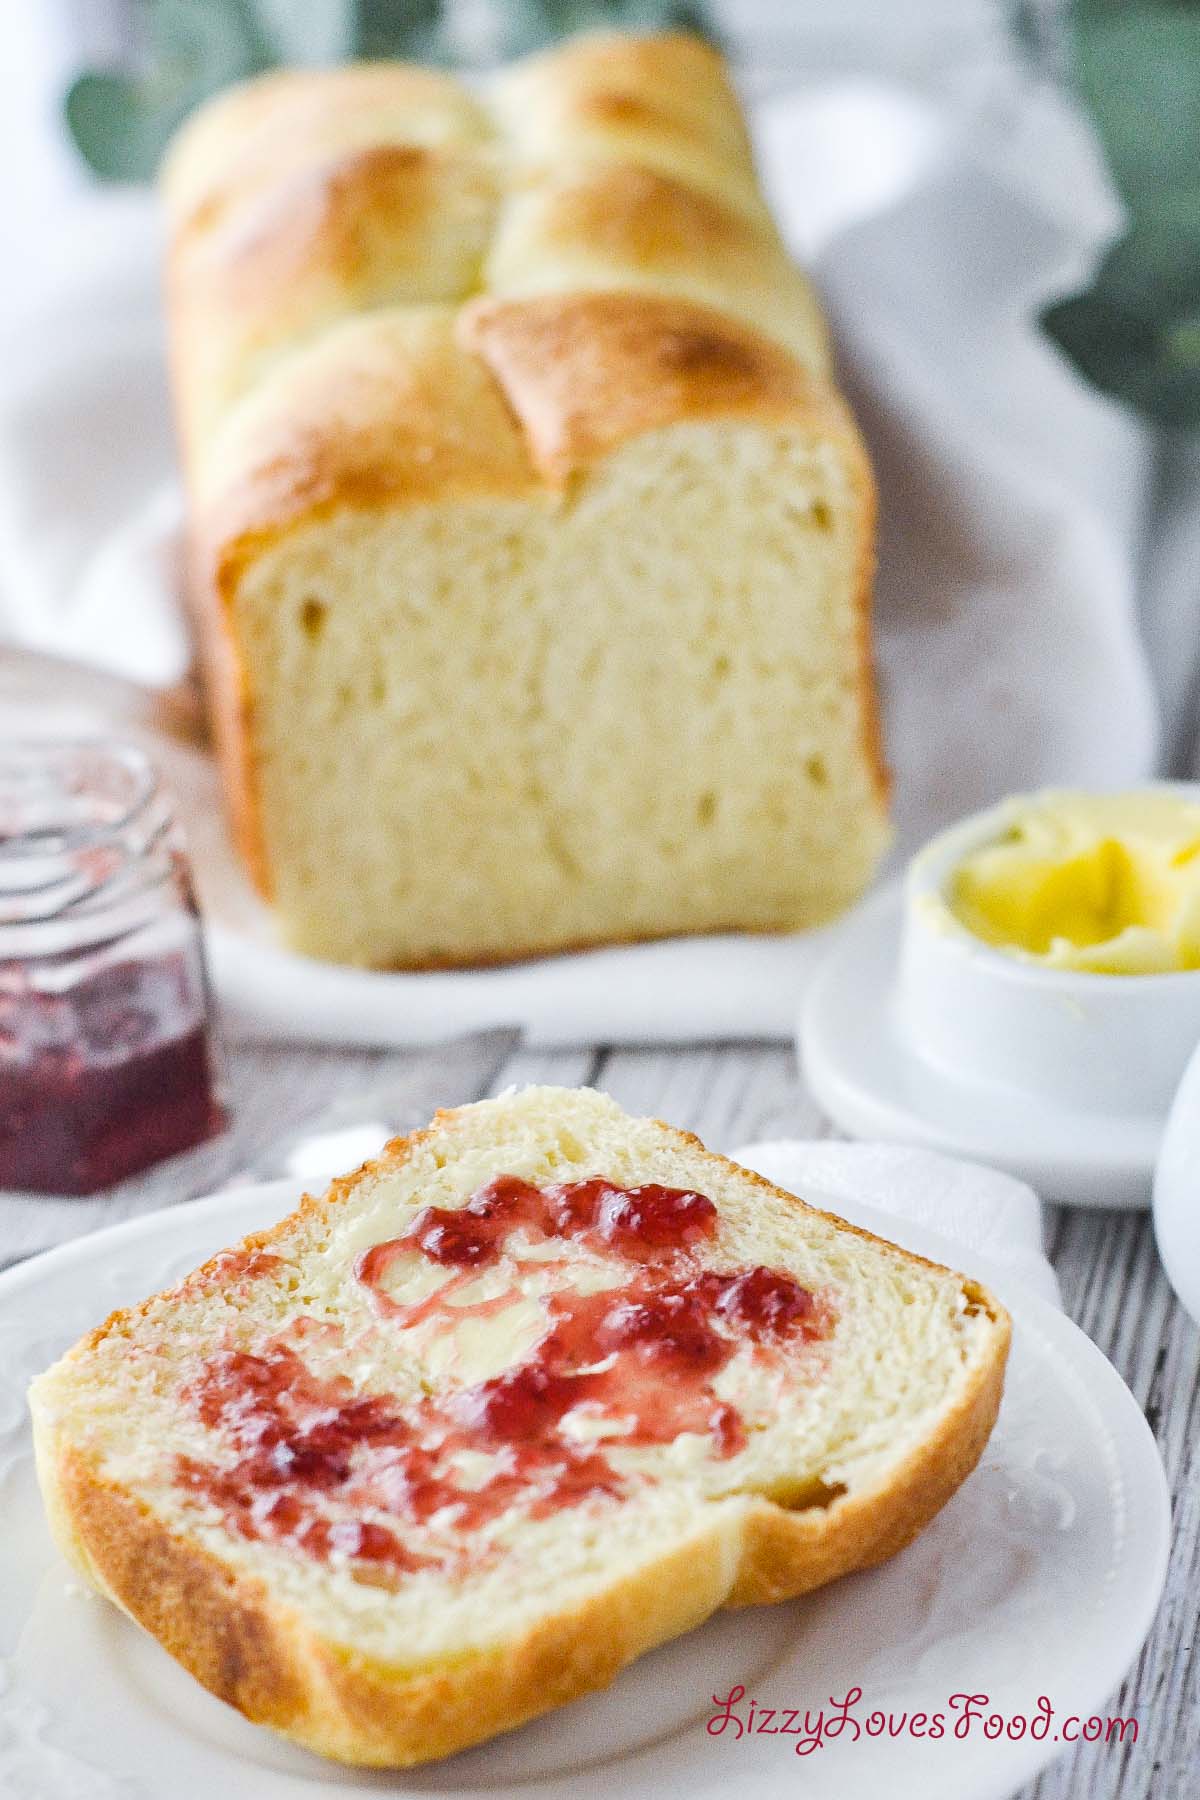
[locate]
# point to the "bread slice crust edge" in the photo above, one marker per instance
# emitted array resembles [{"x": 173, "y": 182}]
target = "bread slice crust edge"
[{"x": 227, "y": 1630}]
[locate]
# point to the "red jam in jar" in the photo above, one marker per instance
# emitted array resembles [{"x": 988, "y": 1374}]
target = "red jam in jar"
[{"x": 106, "y": 1057}]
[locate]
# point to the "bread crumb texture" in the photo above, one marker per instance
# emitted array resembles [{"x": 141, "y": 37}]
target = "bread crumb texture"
[
  {"x": 531, "y": 538},
  {"x": 850, "y": 1434}
]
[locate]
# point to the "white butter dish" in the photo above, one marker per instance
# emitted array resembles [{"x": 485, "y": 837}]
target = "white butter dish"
[
  {"x": 918, "y": 1031},
  {"x": 1077, "y": 1039}
]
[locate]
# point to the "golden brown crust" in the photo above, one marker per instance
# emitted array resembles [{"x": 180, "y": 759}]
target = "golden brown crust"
[
  {"x": 389, "y": 225},
  {"x": 244, "y": 1646},
  {"x": 638, "y": 220},
  {"x": 231, "y": 716},
  {"x": 385, "y": 411},
  {"x": 585, "y": 373},
  {"x": 661, "y": 102},
  {"x": 215, "y": 1621},
  {"x": 604, "y": 226},
  {"x": 227, "y": 1631},
  {"x": 260, "y": 133},
  {"x": 786, "y": 1553},
  {"x": 634, "y": 281},
  {"x": 868, "y": 687}
]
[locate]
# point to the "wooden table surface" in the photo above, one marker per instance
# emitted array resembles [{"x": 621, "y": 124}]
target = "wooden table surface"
[{"x": 1112, "y": 1282}]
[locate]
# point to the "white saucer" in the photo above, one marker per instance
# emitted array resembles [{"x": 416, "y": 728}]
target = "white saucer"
[
  {"x": 1041, "y": 1576},
  {"x": 869, "y": 1082}
]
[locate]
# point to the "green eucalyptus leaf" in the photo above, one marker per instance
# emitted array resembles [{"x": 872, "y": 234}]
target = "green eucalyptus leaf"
[
  {"x": 316, "y": 33},
  {"x": 1154, "y": 370},
  {"x": 122, "y": 123},
  {"x": 528, "y": 24},
  {"x": 199, "y": 46},
  {"x": 1138, "y": 67},
  {"x": 1154, "y": 270},
  {"x": 1136, "y": 332},
  {"x": 119, "y": 132},
  {"x": 412, "y": 29}
]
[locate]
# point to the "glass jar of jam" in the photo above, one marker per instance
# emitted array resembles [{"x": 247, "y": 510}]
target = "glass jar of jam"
[{"x": 107, "y": 1059}]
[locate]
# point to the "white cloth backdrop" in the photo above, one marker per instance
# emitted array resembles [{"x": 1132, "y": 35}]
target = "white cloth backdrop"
[{"x": 1011, "y": 551}]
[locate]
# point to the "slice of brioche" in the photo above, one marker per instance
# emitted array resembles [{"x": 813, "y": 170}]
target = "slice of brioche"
[{"x": 341, "y": 1472}]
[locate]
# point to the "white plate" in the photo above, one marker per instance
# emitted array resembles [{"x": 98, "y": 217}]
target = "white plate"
[
  {"x": 868, "y": 1081},
  {"x": 1041, "y": 1576}
]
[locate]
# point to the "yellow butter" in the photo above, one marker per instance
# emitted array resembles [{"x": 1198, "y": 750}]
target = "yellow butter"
[{"x": 1108, "y": 883}]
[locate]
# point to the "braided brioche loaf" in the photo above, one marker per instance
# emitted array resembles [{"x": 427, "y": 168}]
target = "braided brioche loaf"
[{"x": 531, "y": 540}]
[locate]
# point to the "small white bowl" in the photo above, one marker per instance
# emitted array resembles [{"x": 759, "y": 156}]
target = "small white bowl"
[
  {"x": 914, "y": 1031},
  {"x": 1088, "y": 1042}
]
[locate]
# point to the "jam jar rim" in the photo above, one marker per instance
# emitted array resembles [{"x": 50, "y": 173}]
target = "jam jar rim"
[
  {"x": 88, "y": 834},
  {"x": 139, "y": 834}
]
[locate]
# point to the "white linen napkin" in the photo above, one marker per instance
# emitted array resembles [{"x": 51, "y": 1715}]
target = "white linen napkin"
[
  {"x": 1008, "y": 636},
  {"x": 974, "y": 1207}
]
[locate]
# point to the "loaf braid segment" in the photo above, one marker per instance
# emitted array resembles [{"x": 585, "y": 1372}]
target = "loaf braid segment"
[{"x": 306, "y": 200}]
